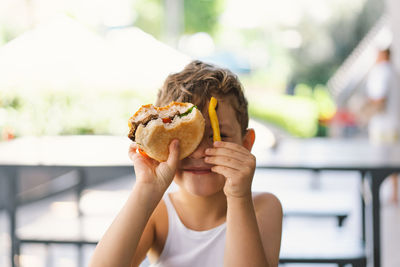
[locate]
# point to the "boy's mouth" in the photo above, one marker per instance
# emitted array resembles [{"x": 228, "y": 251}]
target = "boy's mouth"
[{"x": 197, "y": 170}]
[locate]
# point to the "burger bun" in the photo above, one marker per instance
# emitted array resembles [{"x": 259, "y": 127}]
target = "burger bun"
[{"x": 155, "y": 137}]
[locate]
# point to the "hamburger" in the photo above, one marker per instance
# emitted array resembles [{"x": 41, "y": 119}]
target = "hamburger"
[{"x": 153, "y": 128}]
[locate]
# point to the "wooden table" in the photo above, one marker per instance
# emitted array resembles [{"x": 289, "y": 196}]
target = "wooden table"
[{"x": 87, "y": 152}]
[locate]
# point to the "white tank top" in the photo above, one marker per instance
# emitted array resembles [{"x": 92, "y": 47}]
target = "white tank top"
[{"x": 185, "y": 247}]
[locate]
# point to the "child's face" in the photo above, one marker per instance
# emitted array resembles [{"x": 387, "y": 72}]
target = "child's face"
[{"x": 193, "y": 174}]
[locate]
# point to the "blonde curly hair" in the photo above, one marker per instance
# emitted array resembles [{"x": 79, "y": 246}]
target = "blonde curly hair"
[{"x": 198, "y": 81}]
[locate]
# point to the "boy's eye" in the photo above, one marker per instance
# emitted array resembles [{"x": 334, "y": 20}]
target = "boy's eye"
[{"x": 223, "y": 136}]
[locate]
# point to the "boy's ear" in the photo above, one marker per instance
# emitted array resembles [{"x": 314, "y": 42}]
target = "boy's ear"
[{"x": 249, "y": 138}]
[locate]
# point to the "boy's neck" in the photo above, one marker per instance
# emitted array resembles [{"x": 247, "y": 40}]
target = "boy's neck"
[{"x": 200, "y": 213}]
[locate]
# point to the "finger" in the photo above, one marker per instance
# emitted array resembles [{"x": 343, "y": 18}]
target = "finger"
[
  {"x": 224, "y": 171},
  {"x": 132, "y": 150},
  {"x": 139, "y": 158},
  {"x": 226, "y": 162},
  {"x": 166, "y": 170},
  {"x": 239, "y": 155},
  {"x": 173, "y": 157},
  {"x": 132, "y": 147},
  {"x": 239, "y": 163},
  {"x": 233, "y": 177},
  {"x": 230, "y": 145}
]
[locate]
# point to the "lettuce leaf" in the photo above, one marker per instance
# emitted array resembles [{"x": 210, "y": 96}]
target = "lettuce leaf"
[{"x": 187, "y": 112}]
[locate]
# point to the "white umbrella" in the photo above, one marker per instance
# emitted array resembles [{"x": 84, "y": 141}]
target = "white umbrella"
[{"x": 62, "y": 54}]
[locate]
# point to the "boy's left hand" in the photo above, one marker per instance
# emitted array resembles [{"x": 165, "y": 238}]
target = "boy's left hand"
[{"x": 236, "y": 164}]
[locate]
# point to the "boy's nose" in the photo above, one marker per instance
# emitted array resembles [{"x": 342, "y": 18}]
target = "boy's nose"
[{"x": 200, "y": 150}]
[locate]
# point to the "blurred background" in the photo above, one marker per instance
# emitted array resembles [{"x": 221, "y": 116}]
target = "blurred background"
[{"x": 83, "y": 67}]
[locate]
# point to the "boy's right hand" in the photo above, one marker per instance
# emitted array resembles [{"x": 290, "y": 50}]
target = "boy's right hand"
[{"x": 149, "y": 172}]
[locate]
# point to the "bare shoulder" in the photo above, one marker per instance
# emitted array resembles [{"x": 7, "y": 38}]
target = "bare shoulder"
[
  {"x": 267, "y": 203},
  {"x": 269, "y": 214},
  {"x": 160, "y": 212}
]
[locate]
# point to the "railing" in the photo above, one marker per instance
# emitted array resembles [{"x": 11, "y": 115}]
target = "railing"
[{"x": 355, "y": 68}]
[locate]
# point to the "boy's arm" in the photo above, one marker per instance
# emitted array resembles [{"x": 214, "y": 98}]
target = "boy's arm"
[
  {"x": 246, "y": 245},
  {"x": 119, "y": 245},
  {"x": 253, "y": 238}
]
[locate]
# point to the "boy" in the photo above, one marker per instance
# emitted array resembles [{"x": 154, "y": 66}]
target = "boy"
[{"x": 213, "y": 219}]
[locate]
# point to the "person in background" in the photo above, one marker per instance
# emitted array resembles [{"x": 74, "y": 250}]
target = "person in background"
[{"x": 382, "y": 108}]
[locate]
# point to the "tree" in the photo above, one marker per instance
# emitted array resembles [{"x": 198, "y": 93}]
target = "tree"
[
  {"x": 344, "y": 33},
  {"x": 201, "y": 15},
  {"x": 198, "y": 16}
]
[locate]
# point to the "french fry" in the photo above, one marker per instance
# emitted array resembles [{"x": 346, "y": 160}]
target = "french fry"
[{"x": 214, "y": 119}]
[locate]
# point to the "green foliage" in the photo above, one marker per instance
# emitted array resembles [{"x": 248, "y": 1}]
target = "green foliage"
[
  {"x": 201, "y": 15},
  {"x": 150, "y": 16},
  {"x": 303, "y": 90},
  {"x": 320, "y": 95},
  {"x": 341, "y": 35},
  {"x": 303, "y": 115},
  {"x": 296, "y": 114},
  {"x": 9, "y": 32},
  {"x": 65, "y": 113},
  {"x": 314, "y": 73},
  {"x": 10, "y": 100},
  {"x": 325, "y": 103}
]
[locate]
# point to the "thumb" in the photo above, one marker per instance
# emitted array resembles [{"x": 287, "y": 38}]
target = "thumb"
[
  {"x": 173, "y": 157},
  {"x": 166, "y": 170}
]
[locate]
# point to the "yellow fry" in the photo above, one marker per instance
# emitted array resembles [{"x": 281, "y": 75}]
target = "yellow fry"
[{"x": 214, "y": 119}]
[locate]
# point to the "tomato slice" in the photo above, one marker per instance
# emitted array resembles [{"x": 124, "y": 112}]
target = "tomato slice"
[
  {"x": 166, "y": 120},
  {"x": 142, "y": 153}
]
